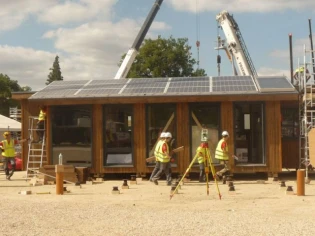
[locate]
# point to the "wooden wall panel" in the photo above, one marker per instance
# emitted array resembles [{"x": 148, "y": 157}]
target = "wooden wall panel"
[
  {"x": 139, "y": 136},
  {"x": 183, "y": 137},
  {"x": 273, "y": 137},
  {"x": 97, "y": 132},
  {"x": 227, "y": 124},
  {"x": 290, "y": 153}
]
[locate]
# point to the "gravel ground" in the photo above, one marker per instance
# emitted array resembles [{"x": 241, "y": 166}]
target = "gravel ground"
[{"x": 145, "y": 209}]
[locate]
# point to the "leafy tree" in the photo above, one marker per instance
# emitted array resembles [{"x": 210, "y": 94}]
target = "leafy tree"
[
  {"x": 164, "y": 58},
  {"x": 26, "y": 89},
  {"x": 7, "y": 86},
  {"x": 55, "y": 73}
]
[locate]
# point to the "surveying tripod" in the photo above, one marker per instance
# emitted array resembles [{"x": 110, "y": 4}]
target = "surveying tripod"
[{"x": 208, "y": 166}]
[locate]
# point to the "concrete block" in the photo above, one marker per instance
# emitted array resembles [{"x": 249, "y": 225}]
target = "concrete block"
[{"x": 89, "y": 182}]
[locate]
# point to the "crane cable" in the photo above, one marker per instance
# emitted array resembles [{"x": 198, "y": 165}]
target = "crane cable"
[
  {"x": 218, "y": 56},
  {"x": 197, "y": 32}
]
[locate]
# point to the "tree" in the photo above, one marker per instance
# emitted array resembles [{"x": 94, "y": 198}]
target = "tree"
[
  {"x": 55, "y": 73},
  {"x": 164, "y": 58},
  {"x": 7, "y": 86}
]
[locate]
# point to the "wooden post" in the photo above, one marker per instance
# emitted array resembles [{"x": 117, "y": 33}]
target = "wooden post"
[
  {"x": 59, "y": 179},
  {"x": 300, "y": 181}
]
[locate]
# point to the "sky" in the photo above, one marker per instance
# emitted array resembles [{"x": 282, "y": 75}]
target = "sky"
[{"x": 90, "y": 36}]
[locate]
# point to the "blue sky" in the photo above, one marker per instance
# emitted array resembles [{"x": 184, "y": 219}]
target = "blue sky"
[{"x": 91, "y": 35}]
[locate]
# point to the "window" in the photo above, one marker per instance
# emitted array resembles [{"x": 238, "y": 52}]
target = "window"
[
  {"x": 290, "y": 122},
  {"x": 204, "y": 115},
  {"x": 160, "y": 117},
  {"x": 118, "y": 133},
  {"x": 249, "y": 133},
  {"x": 71, "y": 134}
]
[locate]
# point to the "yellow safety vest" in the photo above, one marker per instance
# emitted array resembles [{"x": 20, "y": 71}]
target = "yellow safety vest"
[
  {"x": 162, "y": 157},
  {"x": 42, "y": 115},
  {"x": 9, "y": 150},
  {"x": 157, "y": 146},
  {"x": 219, "y": 154},
  {"x": 203, "y": 154}
]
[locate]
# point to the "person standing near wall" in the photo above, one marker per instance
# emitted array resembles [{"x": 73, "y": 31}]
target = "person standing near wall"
[
  {"x": 164, "y": 158},
  {"x": 222, "y": 154},
  {"x": 157, "y": 162},
  {"x": 8, "y": 153},
  {"x": 40, "y": 126}
]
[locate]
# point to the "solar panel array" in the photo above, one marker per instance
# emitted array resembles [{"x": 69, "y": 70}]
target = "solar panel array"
[
  {"x": 163, "y": 87},
  {"x": 237, "y": 84},
  {"x": 274, "y": 83}
]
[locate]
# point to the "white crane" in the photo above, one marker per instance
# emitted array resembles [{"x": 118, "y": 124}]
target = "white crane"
[
  {"x": 235, "y": 44},
  {"x": 133, "y": 51}
]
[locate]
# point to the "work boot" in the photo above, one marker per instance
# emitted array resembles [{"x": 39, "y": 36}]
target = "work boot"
[
  {"x": 8, "y": 177},
  {"x": 169, "y": 183},
  {"x": 156, "y": 182}
]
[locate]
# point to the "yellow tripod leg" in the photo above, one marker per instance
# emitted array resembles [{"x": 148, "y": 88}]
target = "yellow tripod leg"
[
  {"x": 213, "y": 172},
  {"x": 186, "y": 172}
]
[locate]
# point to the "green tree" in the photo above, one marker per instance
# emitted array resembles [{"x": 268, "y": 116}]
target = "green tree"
[
  {"x": 7, "y": 86},
  {"x": 164, "y": 58},
  {"x": 55, "y": 73}
]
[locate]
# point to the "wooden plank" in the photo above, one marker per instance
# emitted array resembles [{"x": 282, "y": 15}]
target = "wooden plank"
[
  {"x": 176, "y": 150},
  {"x": 164, "y": 129}
]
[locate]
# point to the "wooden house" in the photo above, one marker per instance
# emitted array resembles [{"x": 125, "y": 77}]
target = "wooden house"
[{"x": 111, "y": 126}]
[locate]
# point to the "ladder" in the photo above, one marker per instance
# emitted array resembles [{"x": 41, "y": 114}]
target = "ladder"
[
  {"x": 307, "y": 113},
  {"x": 36, "y": 150}
]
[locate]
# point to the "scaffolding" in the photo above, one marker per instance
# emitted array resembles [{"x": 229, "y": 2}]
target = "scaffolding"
[{"x": 307, "y": 112}]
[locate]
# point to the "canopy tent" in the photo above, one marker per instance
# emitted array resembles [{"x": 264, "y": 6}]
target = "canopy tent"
[{"x": 8, "y": 124}]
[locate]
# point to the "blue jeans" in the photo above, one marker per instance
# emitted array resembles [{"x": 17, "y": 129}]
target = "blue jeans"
[{"x": 6, "y": 161}]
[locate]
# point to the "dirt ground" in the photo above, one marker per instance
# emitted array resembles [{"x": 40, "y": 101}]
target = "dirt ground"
[{"x": 254, "y": 208}]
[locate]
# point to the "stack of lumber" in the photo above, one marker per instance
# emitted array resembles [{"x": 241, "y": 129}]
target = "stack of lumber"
[{"x": 49, "y": 173}]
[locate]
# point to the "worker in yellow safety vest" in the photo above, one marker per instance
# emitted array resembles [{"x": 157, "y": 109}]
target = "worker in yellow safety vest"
[
  {"x": 163, "y": 155},
  {"x": 299, "y": 75},
  {"x": 222, "y": 154},
  {"x": 202, "y": 151},
  {"x": 157, "y": 162},
  {"x": 40, "y": 126},
  {"x": 8, "y": 153}
]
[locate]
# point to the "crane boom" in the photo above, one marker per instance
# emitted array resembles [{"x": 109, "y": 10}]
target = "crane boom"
[
  {"x": 132, "y": 52},
  {"x": 236, "y": 44}
]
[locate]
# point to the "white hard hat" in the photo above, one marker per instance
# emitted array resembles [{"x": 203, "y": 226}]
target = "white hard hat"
[
  {"x": 225, "y": 133},
  {"x": 168, "y": 135},
  {"x": 162, "y": 135}
]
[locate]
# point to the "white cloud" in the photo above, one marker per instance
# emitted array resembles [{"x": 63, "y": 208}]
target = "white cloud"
[
  {"x": 80, "y": 11},
  {"x": 89, "y": 51},
  {"x": 266, "y": 71},
  {"x": 28, "y": 66},
  {"x": 13, "y": 13},
  {"x": 242, "y": 5}
]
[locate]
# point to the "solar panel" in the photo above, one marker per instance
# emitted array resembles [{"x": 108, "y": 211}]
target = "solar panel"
[
  {"x": 274, "y": 83},
  {"x": 233, "y": 84},
  {"x": 97, "y": 92},
  {"x": 59, "y": 93},
  {"x": 145, "y": 86}
]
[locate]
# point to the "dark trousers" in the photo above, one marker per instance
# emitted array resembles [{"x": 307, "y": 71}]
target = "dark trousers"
[
  {"x": 40, "y": 129},
  {"x": 202, "y": 176},
  {"x": 6, "y": 161},
  {"x": 155, "y": 170},
  {"x": 165, "y": 167}
]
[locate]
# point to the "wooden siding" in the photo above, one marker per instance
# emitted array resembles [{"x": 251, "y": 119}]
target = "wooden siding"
[
  {"x": 273, "y": 137},
  {"x": 290, "y": 153},
  {"x": 183, "y": 137}
]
